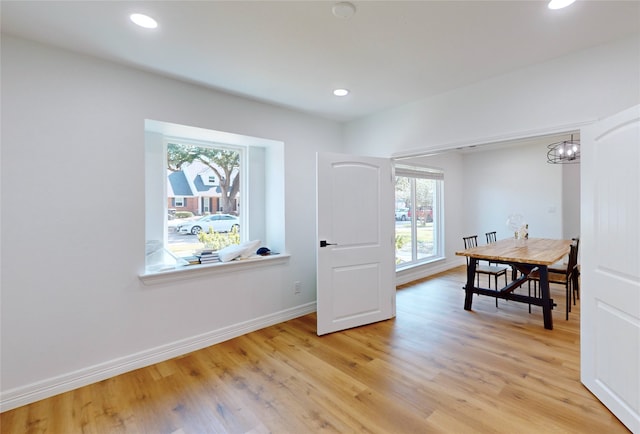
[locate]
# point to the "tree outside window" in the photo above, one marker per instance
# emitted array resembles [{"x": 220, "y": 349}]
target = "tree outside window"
[{"x": 225, "y": 164}]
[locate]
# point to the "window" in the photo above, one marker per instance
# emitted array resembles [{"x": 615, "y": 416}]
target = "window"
[
  {"x": 418, "y": 215},
  {"x": 198, "y": 180}
]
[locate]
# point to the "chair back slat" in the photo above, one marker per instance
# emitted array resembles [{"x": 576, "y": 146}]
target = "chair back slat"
[
  {"x": 470, "y": 241},
  {"x": 491, "y": 237}
]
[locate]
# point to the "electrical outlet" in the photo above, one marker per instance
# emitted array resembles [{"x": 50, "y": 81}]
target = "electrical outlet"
[{"x": 296, "y": 287}]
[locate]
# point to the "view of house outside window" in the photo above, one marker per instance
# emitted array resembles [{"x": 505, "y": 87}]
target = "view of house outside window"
[
  {"x": 197, "y": 201},
  {"x": 418, "y": 232},
  {"x": 203, "y": 197}
]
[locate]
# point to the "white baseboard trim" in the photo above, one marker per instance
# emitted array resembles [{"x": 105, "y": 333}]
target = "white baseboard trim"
[{"x": 33, "y": 392}]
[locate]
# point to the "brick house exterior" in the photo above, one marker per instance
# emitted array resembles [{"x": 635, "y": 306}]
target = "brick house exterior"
[{"x": 195, "y": 189}]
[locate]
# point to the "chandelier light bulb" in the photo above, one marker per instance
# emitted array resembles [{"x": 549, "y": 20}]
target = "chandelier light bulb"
[{"x": 564, "y": 152}]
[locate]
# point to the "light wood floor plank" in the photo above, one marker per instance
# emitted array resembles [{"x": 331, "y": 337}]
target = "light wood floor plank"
[{"x": 435, "y": 368}]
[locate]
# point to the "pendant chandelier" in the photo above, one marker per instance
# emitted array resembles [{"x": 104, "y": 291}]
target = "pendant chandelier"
[{"x": 565, "y": 152}]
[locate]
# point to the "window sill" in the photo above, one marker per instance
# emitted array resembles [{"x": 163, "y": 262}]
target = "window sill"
[
  {"x": 413, "y": 265},
  {"x": 189, "y": 271}
]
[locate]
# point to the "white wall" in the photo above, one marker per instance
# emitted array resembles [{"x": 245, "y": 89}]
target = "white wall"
[
  {"x": 73, "y": 214},
  {"x": 544, "y": 98},
  {"x": 513, "y": 180},
  {"x": 570, "y": 201}
]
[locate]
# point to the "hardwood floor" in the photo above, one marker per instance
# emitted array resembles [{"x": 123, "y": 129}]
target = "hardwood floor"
[{"x": 434, "y": 368}]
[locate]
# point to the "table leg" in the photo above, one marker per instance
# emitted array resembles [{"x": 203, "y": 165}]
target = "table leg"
[
  {"x": 471, "y": 274},
  {"x": 547, "y": 304}
]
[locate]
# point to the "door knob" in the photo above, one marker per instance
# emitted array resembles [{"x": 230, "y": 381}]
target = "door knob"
[{"x": 324, "y": 243}]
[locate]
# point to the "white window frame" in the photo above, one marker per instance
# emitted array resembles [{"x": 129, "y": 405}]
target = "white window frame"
[
  {"x": 264, "y": 195},
  {"x": 437, "y": 210},
  {"x": 178, "y": 202}
]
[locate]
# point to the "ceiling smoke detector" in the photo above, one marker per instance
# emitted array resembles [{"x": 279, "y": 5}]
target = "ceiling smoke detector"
[{"x": 343, "y": 10}]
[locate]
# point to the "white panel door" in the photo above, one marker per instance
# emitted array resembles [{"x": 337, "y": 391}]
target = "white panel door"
[
  {"x": 355, "y": 241},
  {"x": 610, "y": 264}
]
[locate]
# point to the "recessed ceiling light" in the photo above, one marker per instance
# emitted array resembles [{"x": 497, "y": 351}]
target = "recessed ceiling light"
[
  {"x": 559, "y": 4},
  {"x": 144, "y": 21},
  {"x": 341, "y": 92}
]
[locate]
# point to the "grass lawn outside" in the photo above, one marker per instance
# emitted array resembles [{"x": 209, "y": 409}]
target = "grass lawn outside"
[{"x": 424, "y": 235}]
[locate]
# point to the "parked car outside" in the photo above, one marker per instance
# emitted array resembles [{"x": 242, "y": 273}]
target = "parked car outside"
[
  {"x": 402, "y": 214},
  {"x": 424, "y": 214},
  {"x": 215, "y": 222}
]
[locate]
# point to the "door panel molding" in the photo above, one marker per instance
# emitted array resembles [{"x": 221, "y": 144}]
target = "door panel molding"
[{"x": 610, "y": 264}]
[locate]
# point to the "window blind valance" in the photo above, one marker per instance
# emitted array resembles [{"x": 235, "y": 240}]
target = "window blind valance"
[{"x": 419, "y": 172}]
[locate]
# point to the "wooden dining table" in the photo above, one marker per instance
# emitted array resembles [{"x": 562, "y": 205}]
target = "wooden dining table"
[{"x": 526, "y": 255}]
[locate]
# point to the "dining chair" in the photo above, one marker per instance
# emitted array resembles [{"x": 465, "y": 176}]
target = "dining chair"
[
  {"x": 575, "y": 284},
  {"x": 566, "y": 276},
  {"x": 560, "y": 267},
  {"x": 488, "y": 269}
]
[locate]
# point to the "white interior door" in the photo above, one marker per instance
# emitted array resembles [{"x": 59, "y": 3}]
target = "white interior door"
[
  {"x": 356, "y": 266},
  {"x": 610, "y": 264}
]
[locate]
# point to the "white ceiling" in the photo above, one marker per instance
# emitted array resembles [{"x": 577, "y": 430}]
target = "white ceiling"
[{"x": 293, "y": 53}]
